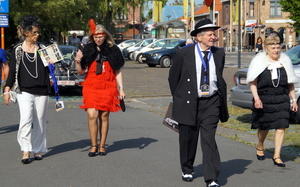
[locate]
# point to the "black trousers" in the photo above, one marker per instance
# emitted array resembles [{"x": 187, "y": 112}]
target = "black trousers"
[{"x": 207, "y": 121}]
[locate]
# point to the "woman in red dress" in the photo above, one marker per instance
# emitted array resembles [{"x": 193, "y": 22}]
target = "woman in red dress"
[{"x": 102, "y": 60}]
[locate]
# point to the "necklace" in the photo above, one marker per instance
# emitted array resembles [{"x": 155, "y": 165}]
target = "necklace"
[
  {"x": 278, "y": 71},
  {"x": 29, "y": 58},
  {"x": 30, "y": 49},
  {"x": 33, "y": 49},
  {"x": 35, "y": 59}
]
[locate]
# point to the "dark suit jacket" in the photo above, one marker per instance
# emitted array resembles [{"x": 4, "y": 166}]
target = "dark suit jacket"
[{"x": 183, "y": 85}]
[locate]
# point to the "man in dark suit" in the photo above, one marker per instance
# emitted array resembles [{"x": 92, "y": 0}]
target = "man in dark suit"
[{"x": 199, "y": 100}]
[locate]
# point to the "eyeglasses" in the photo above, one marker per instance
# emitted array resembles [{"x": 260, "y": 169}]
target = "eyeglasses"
[
  {"x": 36, "y": 32},
  {"x": 99, "y": 38}
]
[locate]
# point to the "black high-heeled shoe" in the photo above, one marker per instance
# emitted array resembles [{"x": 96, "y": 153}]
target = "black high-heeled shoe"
[
  {"x": 92, "y": 154},
  {"x": 278, "y": 164},
  {"x": 102, "y": 153},
  {"x": 38, "y": 156},
  {"x": 26, "y": 160},
  {"x": 260, "y": 157}
]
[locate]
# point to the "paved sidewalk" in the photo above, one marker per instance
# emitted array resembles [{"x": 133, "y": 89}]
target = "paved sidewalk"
[{"x": 141, "y": 153}]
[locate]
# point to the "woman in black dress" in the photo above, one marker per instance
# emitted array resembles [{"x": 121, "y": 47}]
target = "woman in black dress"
[
  {"x": 271, "y": 77},
  {"x": 259, "y": 45}
]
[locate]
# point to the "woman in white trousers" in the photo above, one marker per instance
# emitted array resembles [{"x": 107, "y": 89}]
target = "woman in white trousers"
[{"x": 30, "y": 79}]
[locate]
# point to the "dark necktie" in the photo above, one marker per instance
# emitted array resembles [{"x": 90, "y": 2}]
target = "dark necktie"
[{"x": 203, "y": 72}]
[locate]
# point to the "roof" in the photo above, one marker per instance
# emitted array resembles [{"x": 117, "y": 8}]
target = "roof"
[{"x": 205, "y": 9}]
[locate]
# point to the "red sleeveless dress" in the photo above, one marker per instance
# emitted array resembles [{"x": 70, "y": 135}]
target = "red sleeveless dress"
[{"x": 100, "y": 91}]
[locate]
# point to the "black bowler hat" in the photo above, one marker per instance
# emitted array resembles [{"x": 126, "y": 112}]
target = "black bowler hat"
[{"x": 203, "y": 24}]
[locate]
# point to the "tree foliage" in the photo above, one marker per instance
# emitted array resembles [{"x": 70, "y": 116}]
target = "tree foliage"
[
  {"x": 293, "y": 7},
  {"x": 65, "y": 15}
]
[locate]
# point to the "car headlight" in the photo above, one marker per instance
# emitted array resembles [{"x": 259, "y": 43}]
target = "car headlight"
[{"x": 153, "y": 54}]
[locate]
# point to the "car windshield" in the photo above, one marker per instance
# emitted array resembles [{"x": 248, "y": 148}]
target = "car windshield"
[
  {"x": 68, "y": 51},
  {"x": 294, "y": 55},
  {"x": 129, "y": 42},
  {"x": 147, "y": 42},
  {"x": 172, "y": 45}
]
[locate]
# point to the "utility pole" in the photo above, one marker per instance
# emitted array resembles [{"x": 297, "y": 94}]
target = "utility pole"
[{"x": 239, "y": 34}]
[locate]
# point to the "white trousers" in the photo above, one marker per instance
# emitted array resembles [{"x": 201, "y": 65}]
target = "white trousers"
[{"x": 32, "y": 127}]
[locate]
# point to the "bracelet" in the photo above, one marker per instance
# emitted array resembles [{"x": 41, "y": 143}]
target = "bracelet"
[
  {"x": 7, "y": 92},
  {"x": 256, "y": 100},
  {"x": 77, "y": 59},
  {"x": 121, "y": 86},
  {"x": 294, "y": 100}
]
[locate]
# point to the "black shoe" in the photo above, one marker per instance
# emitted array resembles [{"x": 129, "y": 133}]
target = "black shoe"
[
  {"x": 38, "y": 157},
  {"x": 25, "y": 160},
  {"x": 187, "y": 177},
  {"x": 278, "y": 164},
  {"x": 260, "y": 157},
  {"x": 92, "y": 154},
  {"x": 212, "y": 183},
  {"x": 102, "y": 153}
]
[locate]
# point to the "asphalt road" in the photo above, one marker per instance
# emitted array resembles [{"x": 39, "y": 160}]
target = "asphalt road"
[
  {"x": 141, "y": 151},
  {"x": 143, "y": 81}
]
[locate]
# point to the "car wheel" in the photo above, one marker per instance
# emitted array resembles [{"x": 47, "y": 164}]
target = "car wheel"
[
  {"x": 165, "y": 62},
  {"x": 139, "y": 58},
  {"x": 129, "y": 56},
  {"x": 151, "y": 65}
]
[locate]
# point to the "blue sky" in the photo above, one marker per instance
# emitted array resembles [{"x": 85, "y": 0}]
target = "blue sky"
[{"x": 169, "y": 3}]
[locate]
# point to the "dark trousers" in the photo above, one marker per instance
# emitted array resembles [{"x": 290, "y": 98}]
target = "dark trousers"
[{"x": 207, "y": 121}]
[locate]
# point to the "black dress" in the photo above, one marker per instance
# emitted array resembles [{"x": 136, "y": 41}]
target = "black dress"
[{"x": 276, "y": 102}]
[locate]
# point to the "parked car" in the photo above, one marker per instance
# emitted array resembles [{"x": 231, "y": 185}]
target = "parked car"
[
  {"x": 162, "y": 56},
  {"x": 137, "y": 54},
  {"x": 127, "y": 43},
  {"x": 241, "y": 95},
  {"x": 127, "y": 52},
  {"x": 65, "y": 72}
]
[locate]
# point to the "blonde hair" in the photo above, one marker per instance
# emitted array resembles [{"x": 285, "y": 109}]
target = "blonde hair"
[
  {"x": 108, "y": 37},
  {"x": 272, "y": 40}
]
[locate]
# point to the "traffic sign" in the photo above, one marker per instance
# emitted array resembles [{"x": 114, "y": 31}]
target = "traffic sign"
[
  {"x": 4, "y": 6},
  {"x": 4, "y": 20}
]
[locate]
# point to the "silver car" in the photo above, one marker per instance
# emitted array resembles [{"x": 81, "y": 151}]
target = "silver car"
[
  {"x": 241, "y": 95},
  {"x": 127, "y": 52},
  {"x": 158, "y": 44},
  {"x": 127, "y": 43}
]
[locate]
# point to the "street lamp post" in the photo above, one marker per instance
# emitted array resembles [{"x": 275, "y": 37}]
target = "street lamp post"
[{"x": 109, "y": 17}]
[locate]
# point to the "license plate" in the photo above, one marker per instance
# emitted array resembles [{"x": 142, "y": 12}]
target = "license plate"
[
  {"x": 69, "y": 83},
  {"x": 143, "y": 58},
  {"x": 243, "y": 80}
]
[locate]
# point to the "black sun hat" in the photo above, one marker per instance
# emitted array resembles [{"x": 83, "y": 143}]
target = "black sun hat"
[{"x": 203, "y": 24}]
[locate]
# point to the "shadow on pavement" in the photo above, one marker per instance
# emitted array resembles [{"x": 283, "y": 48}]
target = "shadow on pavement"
[
  {"x": 66, "y": 147},
  {"x": 230, "y": 168},
  {"x": 140, "y": 143},
  {"x": 9, "y": 128}
]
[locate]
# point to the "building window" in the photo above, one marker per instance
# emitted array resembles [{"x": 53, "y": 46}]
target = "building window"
[
  {"x": 251, "y": 9},
  {"x": 275, "y": 8},
  {"x": 268, "y": 31},
  {"x": 121, "y": 16},
  {"x": 226, "y": 13}
]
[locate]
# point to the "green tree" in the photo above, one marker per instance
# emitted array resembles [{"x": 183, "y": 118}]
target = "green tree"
[
  {"x": 63, "y": 15},
  {"x": 292, "y": 6}
]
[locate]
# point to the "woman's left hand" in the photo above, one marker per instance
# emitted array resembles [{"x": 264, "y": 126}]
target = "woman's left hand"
[
  {"x": 294, "y": 106},
  {"x": 122, "y": 93}
]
